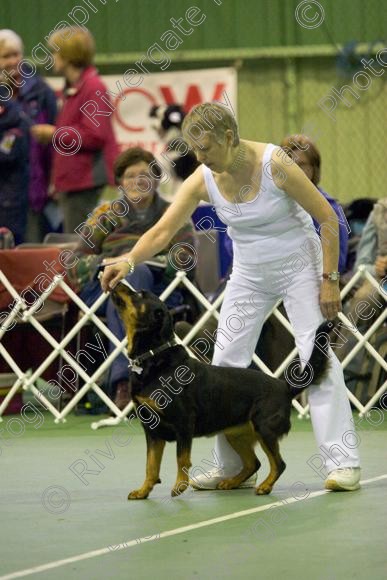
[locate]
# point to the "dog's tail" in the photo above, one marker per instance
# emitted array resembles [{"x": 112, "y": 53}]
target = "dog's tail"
[{"x": 314, "y": 370}]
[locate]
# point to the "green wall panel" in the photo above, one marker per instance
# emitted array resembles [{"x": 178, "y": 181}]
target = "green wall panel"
[
  {"x": 352, "y": 146},
  {"x": 262, "y": 102},
  {"x": 134, "y": 25}
]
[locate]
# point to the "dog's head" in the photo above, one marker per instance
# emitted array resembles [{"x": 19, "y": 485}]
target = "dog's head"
[{"x": 147, "y": 322}]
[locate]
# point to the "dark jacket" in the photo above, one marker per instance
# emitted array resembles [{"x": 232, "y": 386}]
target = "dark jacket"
[
  {"x": 14, "y": 144},
  {"x": 91, "y": 165},
  {"x": 38, "y": 102}
]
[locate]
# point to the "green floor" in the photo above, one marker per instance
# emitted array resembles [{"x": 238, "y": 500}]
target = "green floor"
[{"x": 329, "y": 536}]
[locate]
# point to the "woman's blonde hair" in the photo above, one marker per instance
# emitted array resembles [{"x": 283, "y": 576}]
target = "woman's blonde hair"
[
  {"x": 76, "y": 45},
  {"x": 210, "y": 118}
]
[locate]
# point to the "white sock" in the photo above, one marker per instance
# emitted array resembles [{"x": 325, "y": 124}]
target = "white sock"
[{"x": 227, "y": 456}]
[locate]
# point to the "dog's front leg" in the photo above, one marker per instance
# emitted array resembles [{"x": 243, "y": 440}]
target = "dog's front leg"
[
  {"x": 154, "y": 454},
  {"x": 183, "y": 451}
]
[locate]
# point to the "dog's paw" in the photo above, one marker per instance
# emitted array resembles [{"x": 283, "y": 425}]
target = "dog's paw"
[
  {"x": 138, "y": 494},
  {"x": 179, "y": 488},
  {"x": 263, "y": 489},
  {"x": 227, "y": 484}
]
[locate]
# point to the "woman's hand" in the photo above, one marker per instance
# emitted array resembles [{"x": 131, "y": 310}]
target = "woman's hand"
[
  {"x": 42, "y": 133},
  {"x": 115, "y": 270},
  {"x": 330, "y": 302}
]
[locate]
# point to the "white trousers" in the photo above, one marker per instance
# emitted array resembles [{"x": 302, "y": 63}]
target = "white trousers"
[{"x": 251, "y": 293}]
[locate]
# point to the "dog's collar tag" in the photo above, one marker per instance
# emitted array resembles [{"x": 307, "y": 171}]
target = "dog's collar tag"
[
  {"x": 134, "y": 367},
  {"x": 134, "y": 363}
]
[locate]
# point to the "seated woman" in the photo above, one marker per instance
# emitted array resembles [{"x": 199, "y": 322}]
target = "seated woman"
[
  {"x": 367, "y": 303},
  {"x": 112, "y": 229}
]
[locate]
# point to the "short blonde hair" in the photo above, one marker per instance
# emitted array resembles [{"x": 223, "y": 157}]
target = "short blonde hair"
[
  {"x": 211, "y": 118},
  {"x": 76, "y": 45}
]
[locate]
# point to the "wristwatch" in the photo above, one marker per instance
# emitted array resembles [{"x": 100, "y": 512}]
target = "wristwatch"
[{"x": 333, "y": 276}]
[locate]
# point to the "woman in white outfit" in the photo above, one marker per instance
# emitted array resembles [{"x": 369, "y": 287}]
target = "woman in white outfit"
[{"x": 268, "y": 204}]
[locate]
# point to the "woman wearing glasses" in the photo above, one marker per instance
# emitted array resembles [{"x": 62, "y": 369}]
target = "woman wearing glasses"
[{"x": 114, "y": 228}]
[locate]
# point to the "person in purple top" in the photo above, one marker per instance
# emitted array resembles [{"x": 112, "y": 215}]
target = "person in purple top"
[
  {"x": 14, "y": 144},
  {"x": 305, "y": 153},
  {"x": 37, "y": 104}
]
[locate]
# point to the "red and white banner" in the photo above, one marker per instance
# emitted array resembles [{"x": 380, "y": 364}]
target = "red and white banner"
[{"x": 131, "y": 120}]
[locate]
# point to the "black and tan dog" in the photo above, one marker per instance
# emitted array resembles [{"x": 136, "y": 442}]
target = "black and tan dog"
[{"x": 178, "y": 398}]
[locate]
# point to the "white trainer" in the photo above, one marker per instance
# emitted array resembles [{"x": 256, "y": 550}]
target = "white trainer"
[
  {"x": 213, "y": 477},
  {"x": 344, "y": 479}
]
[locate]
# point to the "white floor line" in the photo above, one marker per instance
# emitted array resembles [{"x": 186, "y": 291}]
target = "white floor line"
[{"x": 182, "y": 530}]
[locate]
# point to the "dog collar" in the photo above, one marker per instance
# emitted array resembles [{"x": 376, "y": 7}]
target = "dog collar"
[{"x": 135, "y": 363}]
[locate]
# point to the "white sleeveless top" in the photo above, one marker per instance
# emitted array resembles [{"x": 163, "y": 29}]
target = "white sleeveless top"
[{"x": 269, "y": 227}]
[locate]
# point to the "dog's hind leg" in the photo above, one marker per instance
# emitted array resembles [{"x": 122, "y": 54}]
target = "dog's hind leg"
[
  {"x": 270, "y": 445},
  {"x": 183, "y": 452},
  {"x": 154, "y": 454},
  {"x": 242, "y": 439}
]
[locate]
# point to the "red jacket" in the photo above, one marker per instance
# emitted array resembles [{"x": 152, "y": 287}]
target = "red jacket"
[{"x": 84, "y": 154}]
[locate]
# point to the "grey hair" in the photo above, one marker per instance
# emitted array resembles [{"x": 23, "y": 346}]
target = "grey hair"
[{"x": 9, "y": 36}]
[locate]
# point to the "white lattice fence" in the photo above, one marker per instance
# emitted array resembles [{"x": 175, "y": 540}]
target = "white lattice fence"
[{"x": 28, "y": 315}]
